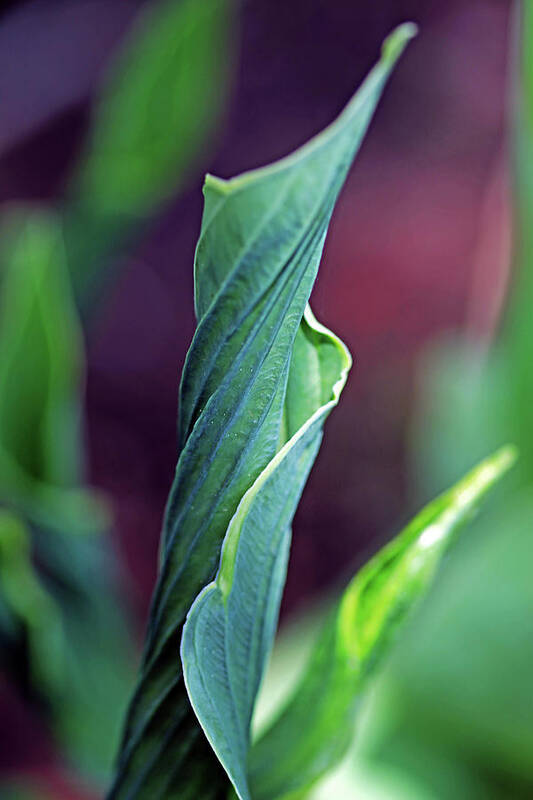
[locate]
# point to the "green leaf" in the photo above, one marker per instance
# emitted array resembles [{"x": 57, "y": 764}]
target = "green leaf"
[
  {"x": 257, "y": 257},
  {"x": 41, "y": 375},
  {"x": 78, "y": 652},
  {"x": 155, "y": 117},
  {"x": 230, "y": 628},
  {"x": 314, "y": 730},
  {"x": 478, "y": 743},
  {"x": 454, "y": 704}
]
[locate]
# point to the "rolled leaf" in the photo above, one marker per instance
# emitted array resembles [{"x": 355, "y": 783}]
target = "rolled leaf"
[
  {"x": 256, "y": 261},
  {"x": 312, "y": 733},
  {"x": 230, "y": 628}
]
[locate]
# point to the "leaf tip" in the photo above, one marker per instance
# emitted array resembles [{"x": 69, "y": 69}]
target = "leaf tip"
[
  {"x": 505, "y": 458},
  {"x": 396, "y": 42},
  {"x": 214, "y": 184},
  {"x": 482, "y": 478}
]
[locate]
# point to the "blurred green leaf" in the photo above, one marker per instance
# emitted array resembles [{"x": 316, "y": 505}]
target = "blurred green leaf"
[
  {"x": 315, "y": 729},
  {"x": 41, "y": 358},
  {"x": 154, "y": 119},
  {"x": 457, "y": 707},
  {"x": 41, "y": 378},
  {"x": 32, "y": 609},
  {"x": 459, "y": 711},
  {"x": 353, "y": 778},
  {"x": 63, "y": 605},
  {"x": 256, "y": 261},
  {"x": 100, "y": 664},
  {"x": 370, "y": 782}
]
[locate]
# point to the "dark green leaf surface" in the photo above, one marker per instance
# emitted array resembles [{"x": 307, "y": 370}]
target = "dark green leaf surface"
[
  {"x": 316, "y": 727},
  {"x": 256, "y": 261}
]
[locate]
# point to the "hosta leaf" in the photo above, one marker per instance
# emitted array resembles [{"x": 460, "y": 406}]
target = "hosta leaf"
[
  {"x": 315, "y": 728},
  {"x": 257, "y": 257},
  {"x": 230, "y": 627},
  {"x": 156, "y": 113}
]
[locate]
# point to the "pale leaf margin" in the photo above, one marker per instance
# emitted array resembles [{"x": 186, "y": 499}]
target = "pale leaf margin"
[{"x": 203, "y": 691}]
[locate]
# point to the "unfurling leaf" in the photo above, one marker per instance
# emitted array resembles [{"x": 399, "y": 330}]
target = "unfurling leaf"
[
  {"x": 257, "y": 383},
  {"x": 230, "y": 629}
]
